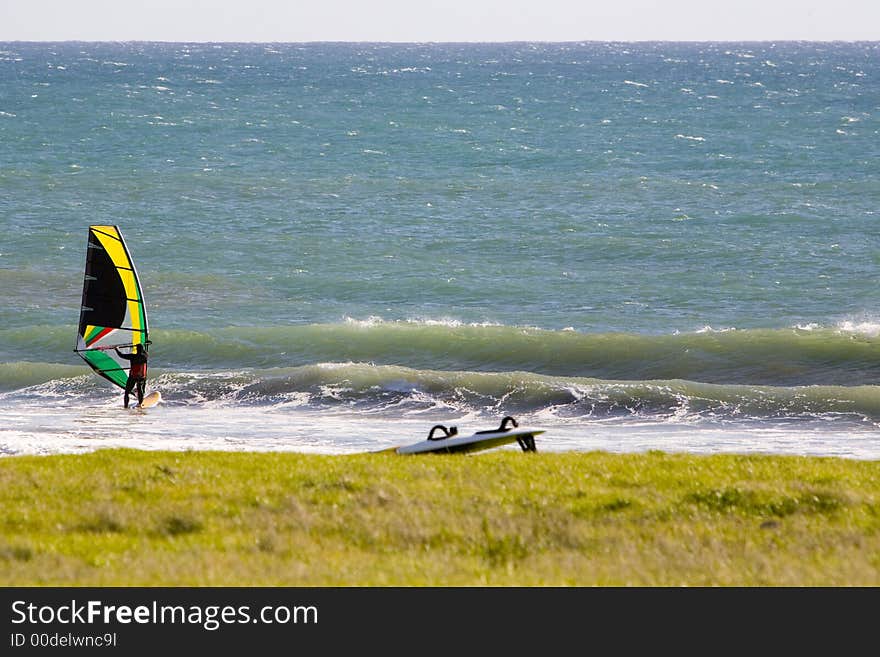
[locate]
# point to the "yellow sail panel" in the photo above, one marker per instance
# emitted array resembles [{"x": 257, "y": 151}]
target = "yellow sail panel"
[
  {"x": 135, "y": 318},
  {"x": 129, "y": 283},
  {"x": 112, "y": 243},
  {"x": 133, "y": 295}
]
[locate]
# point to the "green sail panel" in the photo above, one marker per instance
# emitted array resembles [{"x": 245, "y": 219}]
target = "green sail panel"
[{"x": 113, "y": 313}]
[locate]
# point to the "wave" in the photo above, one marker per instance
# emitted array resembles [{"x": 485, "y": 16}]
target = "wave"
[
  {"x": 395, "y": 390},
  {"x": 845, "y": 355}
]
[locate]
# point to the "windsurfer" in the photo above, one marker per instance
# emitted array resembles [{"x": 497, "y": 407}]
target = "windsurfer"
[{"x": 137, "y": 375}]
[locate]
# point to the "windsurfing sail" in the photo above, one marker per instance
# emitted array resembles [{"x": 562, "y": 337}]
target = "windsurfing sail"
[{"x": 113, "y": 313}]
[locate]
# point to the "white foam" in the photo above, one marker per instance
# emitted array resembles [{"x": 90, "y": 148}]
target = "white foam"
[
  {"x": 372, "y": 320},
  {"x": 710, "y": 329},
  {"x": 450, "y": 322},
  {"x": 867, "y": 328},
  {"x": 76, "y": 428}
]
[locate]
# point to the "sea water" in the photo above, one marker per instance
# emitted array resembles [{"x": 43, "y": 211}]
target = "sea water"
[{"x": 630, "y": 245}]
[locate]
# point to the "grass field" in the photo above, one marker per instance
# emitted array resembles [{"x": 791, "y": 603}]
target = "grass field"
[{"x": 502, "y": 518}]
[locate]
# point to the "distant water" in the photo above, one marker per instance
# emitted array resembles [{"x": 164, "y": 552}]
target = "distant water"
[{"x": 633, "y": 246}]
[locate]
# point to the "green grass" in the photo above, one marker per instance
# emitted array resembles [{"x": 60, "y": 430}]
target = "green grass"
[{"x": 127, "y": 517}]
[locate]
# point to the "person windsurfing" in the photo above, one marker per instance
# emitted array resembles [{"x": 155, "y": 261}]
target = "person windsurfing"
[{"x": 137, "y": 375}]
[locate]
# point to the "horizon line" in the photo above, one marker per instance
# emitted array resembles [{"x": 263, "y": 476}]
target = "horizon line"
[{"x": 439, "y": 42}]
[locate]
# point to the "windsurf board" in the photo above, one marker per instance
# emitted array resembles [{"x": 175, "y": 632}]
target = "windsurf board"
[
  {"x": 151, "y": 400},
  {"x": 473, "y": 443}
]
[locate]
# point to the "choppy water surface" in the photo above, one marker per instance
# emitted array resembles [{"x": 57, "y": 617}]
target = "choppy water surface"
[{"x": 632, "y": 246}]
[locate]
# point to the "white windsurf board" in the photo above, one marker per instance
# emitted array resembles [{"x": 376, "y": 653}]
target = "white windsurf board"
[
  {"x": 151, "y": 400},
  {"x": 473, "y": 443}
]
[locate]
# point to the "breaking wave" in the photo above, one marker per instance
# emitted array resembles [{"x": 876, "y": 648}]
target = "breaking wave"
[{"x": 844, "y": 355}]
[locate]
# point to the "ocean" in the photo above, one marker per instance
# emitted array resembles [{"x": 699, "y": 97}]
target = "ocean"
[{"x": 633, "y": 246}]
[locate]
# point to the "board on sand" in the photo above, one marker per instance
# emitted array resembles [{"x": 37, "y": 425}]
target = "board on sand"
[
  {"x": 150, "y": 400},
  {"x": 451, "y": 442}
]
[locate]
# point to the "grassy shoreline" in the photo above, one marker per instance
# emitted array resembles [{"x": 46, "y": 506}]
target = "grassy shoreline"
[{"x": 125, "y": 517}]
